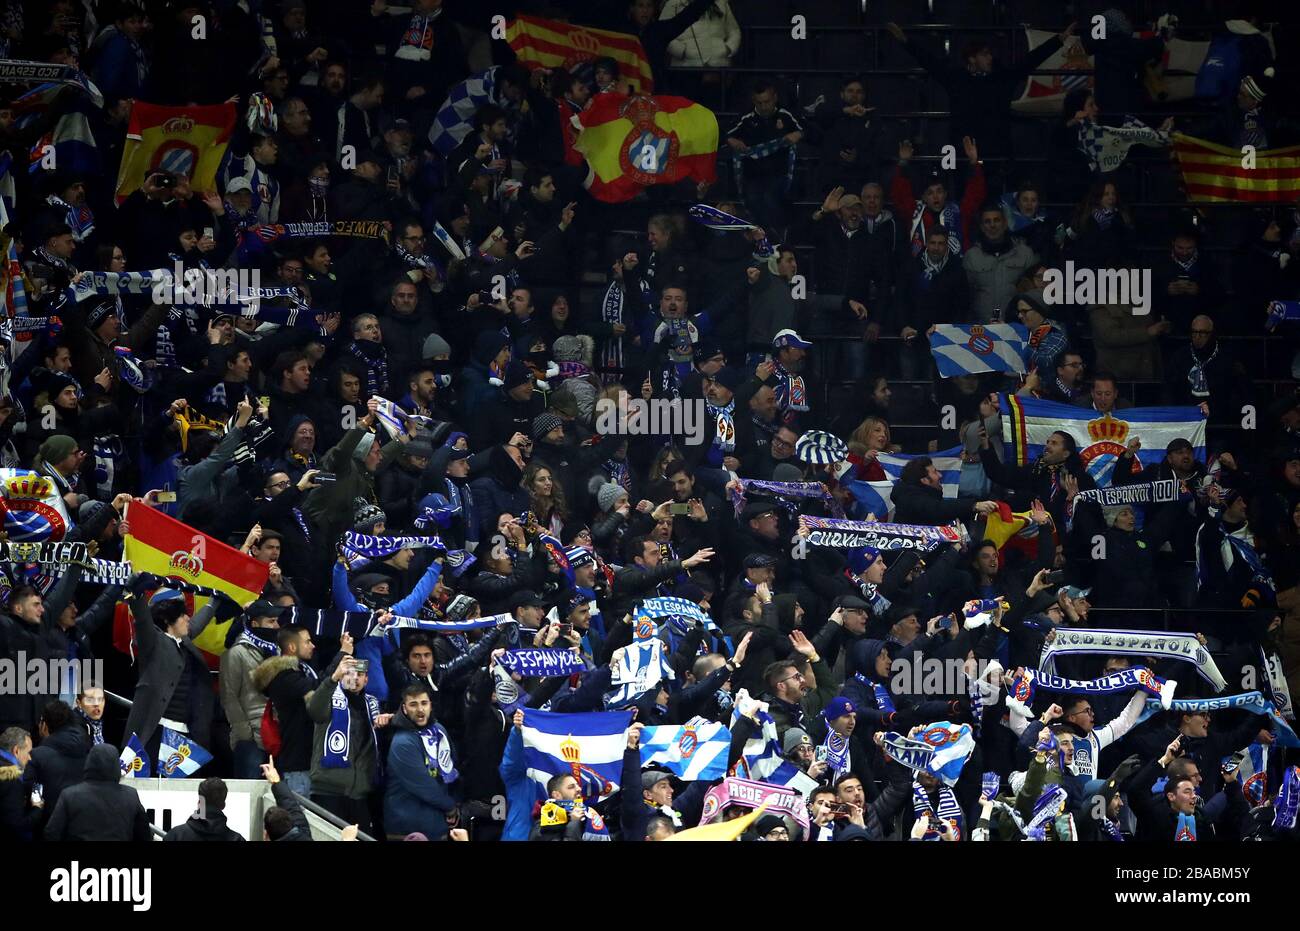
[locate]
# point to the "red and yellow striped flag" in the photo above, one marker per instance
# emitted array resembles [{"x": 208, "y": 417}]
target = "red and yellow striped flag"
[
  {"x": 546, "y": 43},
  {"x": 167, "y": 547},
  {"x": 634, "y": 142},
  {"x": 1214, "y": 172}
]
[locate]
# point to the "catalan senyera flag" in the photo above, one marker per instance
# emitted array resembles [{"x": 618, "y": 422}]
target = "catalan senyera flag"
[
  {"x": 189, "y": 141},
  {"x": 546, "y": 43},
  {"x": 1214, "y": 172},
  {"x": 634, "y": 142},
  {"x": 167, "y": 547}
]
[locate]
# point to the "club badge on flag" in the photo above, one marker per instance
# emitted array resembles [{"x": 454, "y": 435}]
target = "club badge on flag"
[
  {"x": 547, "y": 43},
  {"x": 634, "y": 142},
  {"x": 167, "y": 547},
  {"x": 971, "y": 348},
  {"x": 187, "y": 141},
  {"x": 696, "y": 750},
  {"x": 589, "y": 746},
  {"x": 1028, "y": 422},
  {"x": 134, "y": 761},
  {"x": 178, "y": 756}
]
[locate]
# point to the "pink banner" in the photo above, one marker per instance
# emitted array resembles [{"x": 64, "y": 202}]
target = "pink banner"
[{"x": 781, "y": 800}]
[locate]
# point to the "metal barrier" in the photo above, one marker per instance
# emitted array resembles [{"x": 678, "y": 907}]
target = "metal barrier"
[{"x": 326, "y": 815}]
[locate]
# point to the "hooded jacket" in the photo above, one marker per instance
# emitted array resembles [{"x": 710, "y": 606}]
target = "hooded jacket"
[
  {"x": 100, "y": 807},
  {"x": 498, "y": 492}
]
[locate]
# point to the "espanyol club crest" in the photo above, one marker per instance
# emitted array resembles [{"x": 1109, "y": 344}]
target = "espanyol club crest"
[
  {"x": 648, "y": 150},
  {"x": 688, "y": 743},
  {"x": 938, "y": 736},
  {"x": 980, "y": 342},
  {"x": 1108, "y": 438},
  {"x": 645, "y": 627}
]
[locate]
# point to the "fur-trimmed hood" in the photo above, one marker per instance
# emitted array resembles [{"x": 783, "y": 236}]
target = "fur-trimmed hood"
[
  {"x": 10, "y": 773},
  {"x": 266, "y": 671}
]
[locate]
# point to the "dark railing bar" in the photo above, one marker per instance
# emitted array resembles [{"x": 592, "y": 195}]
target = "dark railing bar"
[{"x": 327, "y": 815}]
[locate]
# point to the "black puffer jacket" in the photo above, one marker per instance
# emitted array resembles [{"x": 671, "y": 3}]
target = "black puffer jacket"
[{"x": 59, "y": 762}]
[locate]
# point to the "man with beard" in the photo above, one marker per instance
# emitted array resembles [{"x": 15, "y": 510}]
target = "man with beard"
[
  {"x": 420, "y": 771},
  {"x": 794, "y": 391},
  {"x": 1205, "y": 373},
  {"x": 1045, "y": 479}
]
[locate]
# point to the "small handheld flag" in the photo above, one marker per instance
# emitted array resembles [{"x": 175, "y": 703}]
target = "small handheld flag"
[
  {"x": 178, "y": 756},
  {"x": 134, "y": 761}
]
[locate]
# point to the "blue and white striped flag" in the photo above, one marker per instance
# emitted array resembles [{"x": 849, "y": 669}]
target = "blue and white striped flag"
[
  {"x": 638, "y": 667},
  {"x": 953, "y": 745},
  {"x": 134, "y": 762},
  {"x": 589, "y": 746},
  {"x": 394, "y": 418},
  {"x": 762, "y": 759},
  {"x": 1101, "y": 438},
  {"x": 948, "y": 462},
  {"x": 456, "y": 115},
  {"x": 690, "y": 751},
  {"x": 178, "y": 756},
  {"x": 971, "y": 348}
]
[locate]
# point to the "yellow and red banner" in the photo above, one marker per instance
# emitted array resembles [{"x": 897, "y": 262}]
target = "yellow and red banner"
[
  {"x": 547, "y": 43},
  {"x": 633, "y": 142},
  {"x": 167, "y": 547},
  {"x": 188, "y": 141},
  {"x": 1216, "y": 173}
]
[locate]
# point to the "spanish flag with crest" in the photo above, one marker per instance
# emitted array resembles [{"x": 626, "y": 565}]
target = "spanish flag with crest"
[
  {"x": 547, "y": 43},
  {"x": 188, "y": 141},
  {"x": 167, "y": 547},
  {"x": 633, "y": 142}
]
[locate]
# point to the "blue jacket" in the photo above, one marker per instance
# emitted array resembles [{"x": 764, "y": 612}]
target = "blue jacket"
[
  {"x": 520, "y": 791},
  {"x": 415, "y": 799},
  {"x": 376, "y": 647}
]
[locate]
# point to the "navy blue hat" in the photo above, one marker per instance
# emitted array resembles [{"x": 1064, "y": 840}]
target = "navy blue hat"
[
  {"x": 730, "y": 378},
  {"x": 839, "y": 706},
  {"x": 435, "y": 510}
]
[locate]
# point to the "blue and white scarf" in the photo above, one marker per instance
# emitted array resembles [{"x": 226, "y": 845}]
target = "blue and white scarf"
[
  {"x": 1287, "y": 802},
  {"x": 267, "y": 648},
  {"x": 1186, "y": 828},
  {"x": 835, "y": 751},
  {"x": 96, "y": 728},
  {"x": 784, "y": 491},
  {"x": 852, "y": 534},
  {"x": 1021, "y": 692},
  {"x": 363, "y": 545},
  {"x": 949, "y": 811},
  {"x": 1135, "y": 643},
  {"x": 950, "y": 219},
  {"x": 338, "y": 733},
  {"x": 724, "y": 434},
  {"x": 1050, "y": 804},
  {"x": 762, "y": 150},
  {"x": 437, "y": 753},
  {"x": 1246, "y": 701},
  {"x": 542, "y": 663}
]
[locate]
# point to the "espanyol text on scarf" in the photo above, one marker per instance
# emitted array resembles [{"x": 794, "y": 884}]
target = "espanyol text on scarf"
[
  {"x": 658, "y": 416},
  {"x": 103, "y": 884},
  {"x": 1088, "y": 286}
]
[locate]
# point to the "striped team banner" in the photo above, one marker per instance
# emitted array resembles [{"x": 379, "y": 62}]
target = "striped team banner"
[
  {"x": 948, "y": 462},
  {"x": 1028, "y": 422},
  {"x": 1214, "y": 172},
  {"x": 546, "y": 43},
  {"x": 971, "y": 348}
]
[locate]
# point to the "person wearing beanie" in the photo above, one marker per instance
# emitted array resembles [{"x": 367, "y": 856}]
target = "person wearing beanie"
[
  {"x": 368, "y": 518},
  {"x": 1180, "y": 464},
  {"x": 485, "y": 371},
  {"x": 59, "y": 459},
  {"x": 92, "y": 330},
  {"x": 511, "y": 411}
]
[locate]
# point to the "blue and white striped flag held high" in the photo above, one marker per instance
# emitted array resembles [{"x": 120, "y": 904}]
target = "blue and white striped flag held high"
[
  {"x": 691, "y": 751},
  {"x": 455, "y": 117},
  {"x": 971, "y": 348},
  {"x": 762, "y": 759},
  {"x": 948, "y": 462},
  {"x": 590, "y": 746}
]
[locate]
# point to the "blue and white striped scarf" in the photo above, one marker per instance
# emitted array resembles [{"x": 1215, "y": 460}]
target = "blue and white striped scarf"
[
  {"x": 949, "y": 810},
  {"x": 338, "y": 733}
]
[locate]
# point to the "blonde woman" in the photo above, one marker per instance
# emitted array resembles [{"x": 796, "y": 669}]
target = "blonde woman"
[{"x": 870, "y": 439}]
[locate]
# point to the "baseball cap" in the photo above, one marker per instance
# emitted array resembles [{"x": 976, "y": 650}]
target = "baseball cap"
[
  {"x": 787, "y": 338},
  {"x": 238, "y": 184}
]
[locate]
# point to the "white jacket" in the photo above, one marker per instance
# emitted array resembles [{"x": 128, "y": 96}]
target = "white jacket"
[{"x": 710, "y": 43}]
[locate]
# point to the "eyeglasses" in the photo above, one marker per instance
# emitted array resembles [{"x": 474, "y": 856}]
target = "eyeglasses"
[
  {"x": 284, "y": 484},
  {"x": 1081, "y": 711},
  {"x": 797, "y": 675},
  {"x": 779, "y": 832}
]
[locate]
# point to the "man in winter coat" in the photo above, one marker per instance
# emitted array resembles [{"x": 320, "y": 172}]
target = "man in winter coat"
[
  {"x": 240, "y": 698},
  {"x": 918, "y": 497},
  {"x": 993, "y": 265},
  {"x": 100, "y": 807},
  {"x": 287, "y": 680},
  {"x": 208, "y": 824},
  {"x": 417, "y": 795},
  {"x": 60, "y": 760}
]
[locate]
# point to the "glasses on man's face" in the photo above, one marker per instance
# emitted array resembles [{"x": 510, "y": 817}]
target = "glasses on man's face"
[
  {"x": 1081, "y": 711},
  {"x": 779, "y": 832},
  {"x": 284, "y": 484},
  {"x": 797, "y": 675}
]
